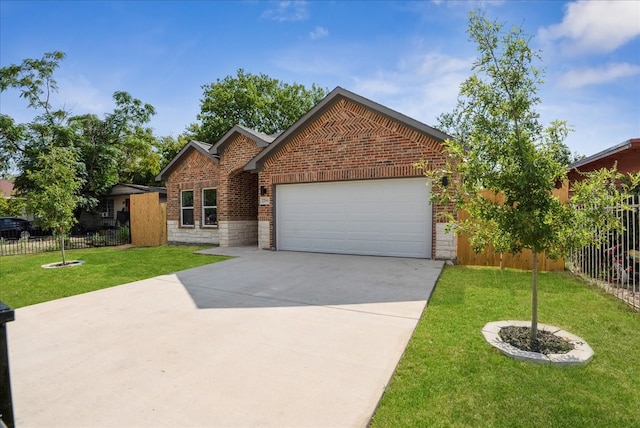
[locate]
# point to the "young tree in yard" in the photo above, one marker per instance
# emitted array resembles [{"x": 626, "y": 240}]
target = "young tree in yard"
[
  {"x": 258, "y": 102},
  {"x": 55, "y": 194},
  {"x": 500, "y": 147}
]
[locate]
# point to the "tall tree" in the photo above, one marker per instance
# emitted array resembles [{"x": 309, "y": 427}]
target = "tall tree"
[
  {"x": 500, "y": 147},
  {"x": 118, "y": 147},
  {"x": 258, "y": 102},
  {"x": 55, "y": 195}
]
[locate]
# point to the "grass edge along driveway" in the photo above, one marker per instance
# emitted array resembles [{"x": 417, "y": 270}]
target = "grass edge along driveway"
[
  {"x": 24, "y": 282},
  {"x": 450, "y": 377}
]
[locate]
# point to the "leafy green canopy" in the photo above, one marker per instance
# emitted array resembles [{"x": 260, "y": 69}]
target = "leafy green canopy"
[
  {"x": 258, "y": 102},
  {"x": 117, "y": 148}
]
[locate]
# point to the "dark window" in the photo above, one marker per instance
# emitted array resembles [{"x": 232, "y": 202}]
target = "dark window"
[
  {"x": 186, "y": 208},
  {"x": 209, "y": 207},
  {"x": 105, "y": 208}
]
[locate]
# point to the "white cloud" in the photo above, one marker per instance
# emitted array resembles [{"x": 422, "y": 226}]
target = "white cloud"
[
  {"x": 595, "y": 26},
  {"x": 422, "y": 86},
  {"x": 439, "y": 64},
  {"x": 318, "y": 33},
  {"x": 79, "y": 96},
  {"x": 382, "y": 84},
  {"x": 288, "y": 11},
  {"x": 597, "y": 75}
]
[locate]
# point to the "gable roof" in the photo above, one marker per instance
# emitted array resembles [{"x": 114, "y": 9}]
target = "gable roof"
[
  {"x": 333, "y": 97},
  {"x": 192, "y": 144},
  {"x": 262, "y": 140},
  {"x": 132, "y": 189},
  {"x": 625, "y": 145}
]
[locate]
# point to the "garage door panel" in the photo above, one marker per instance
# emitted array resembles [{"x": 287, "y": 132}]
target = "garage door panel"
[{"x": 376, "y": 217}]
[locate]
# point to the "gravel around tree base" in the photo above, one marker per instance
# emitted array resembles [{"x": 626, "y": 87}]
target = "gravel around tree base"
[{"x": 547, "y": 343}]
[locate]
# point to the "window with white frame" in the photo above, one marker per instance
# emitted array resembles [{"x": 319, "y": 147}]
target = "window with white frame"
[
  {"x": 209, "y": 207},
  {"x": 186, "y": 208}
]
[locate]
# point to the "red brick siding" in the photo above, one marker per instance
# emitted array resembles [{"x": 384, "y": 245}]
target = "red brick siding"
[
  {"x": 348, "y": 142},
  {"x": 237, "y": 197},
  {"x": 195, "y": 172}
]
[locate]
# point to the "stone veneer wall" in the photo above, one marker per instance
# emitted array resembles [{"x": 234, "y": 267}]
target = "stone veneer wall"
[
  {"x": 237, "y": 233},
  {"x": 191, "y": 235},
  {"x": 446, "y": 243},
  {"x": 264, "y": 234}
]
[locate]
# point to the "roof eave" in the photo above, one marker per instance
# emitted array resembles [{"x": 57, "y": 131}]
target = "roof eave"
[{"x": 605, "y": 153}]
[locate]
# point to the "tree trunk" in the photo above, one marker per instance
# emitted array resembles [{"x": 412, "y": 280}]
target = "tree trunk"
[
  {"x": 534, "y": 301},
  {"x": 64, "y": 262}
]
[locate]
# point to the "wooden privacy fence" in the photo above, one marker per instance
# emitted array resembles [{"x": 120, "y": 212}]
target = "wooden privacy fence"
[
  {"x": 148, "y": 220},
  {"x": 467, "y": 256}
]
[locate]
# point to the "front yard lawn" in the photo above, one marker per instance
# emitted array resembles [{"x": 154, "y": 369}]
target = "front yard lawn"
[
  {"x": 450, "y": 377},
  {"x": 24, "y": 282}
]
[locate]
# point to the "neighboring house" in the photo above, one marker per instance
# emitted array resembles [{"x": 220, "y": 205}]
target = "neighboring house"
[
  {"x": 113, "y": 208},
  {"x": 626, "y": 157},
  {"x": 340, "y": 180},
  {"x": 6, "y": 187},
  {"x": 6, "y": 191}
]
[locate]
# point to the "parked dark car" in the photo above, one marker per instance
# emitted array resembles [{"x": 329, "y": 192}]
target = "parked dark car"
[{"x": 16, "y": 228}]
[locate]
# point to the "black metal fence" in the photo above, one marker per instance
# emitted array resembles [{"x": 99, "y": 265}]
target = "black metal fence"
[
  {"x": 615, "y": 264},
  {"x": 101, "y": 238}
]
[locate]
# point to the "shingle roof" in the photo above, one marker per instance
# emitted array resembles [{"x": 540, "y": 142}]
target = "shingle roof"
[
  {"x": 139, "y": 188},
  {"x": 203, "y": 148},
  {"x": 262, "y": 140}
]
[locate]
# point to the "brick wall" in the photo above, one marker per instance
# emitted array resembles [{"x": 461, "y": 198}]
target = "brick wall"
[
  {"x": 195, "y": 172},
  {"x": 347, "y": 142},
  {"x": 238, "y": 195}
]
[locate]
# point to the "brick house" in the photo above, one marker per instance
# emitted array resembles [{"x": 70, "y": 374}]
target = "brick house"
[
  {"x": 339, "y": 180},
  {"x": 211, "y": 199},
  {"x": 625, "y": 155}
]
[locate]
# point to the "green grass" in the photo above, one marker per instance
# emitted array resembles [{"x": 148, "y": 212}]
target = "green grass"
[
  {"x": 24, "y": 282},
  {"x": 450, "y": 377}
]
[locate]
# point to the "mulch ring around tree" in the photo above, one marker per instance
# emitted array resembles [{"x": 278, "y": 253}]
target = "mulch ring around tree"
[
  {"x": 70, "y": 263},
  {"x": 546, "y": 343},
  {"x": 554, "y": 345}
]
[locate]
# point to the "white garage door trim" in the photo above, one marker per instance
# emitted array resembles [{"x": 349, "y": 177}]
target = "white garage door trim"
[{"x": 387, "y": 217}]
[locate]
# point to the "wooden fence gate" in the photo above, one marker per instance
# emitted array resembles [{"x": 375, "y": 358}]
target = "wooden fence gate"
[
  {"x": 467, "y": 256},
  {"x": 148, "y": 220}
]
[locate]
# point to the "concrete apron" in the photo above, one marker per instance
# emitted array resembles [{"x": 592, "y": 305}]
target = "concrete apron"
[{"x": 276, "y": 339}]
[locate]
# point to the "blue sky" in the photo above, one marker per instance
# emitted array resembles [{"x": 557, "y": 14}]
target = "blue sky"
[{"x": 409, "y": 56}]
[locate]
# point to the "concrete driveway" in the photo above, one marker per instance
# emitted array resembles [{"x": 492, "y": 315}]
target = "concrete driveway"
[{"x": 268, "y": 339}]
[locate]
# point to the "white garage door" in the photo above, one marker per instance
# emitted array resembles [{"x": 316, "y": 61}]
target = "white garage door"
[{"x": 390, "y": 217}]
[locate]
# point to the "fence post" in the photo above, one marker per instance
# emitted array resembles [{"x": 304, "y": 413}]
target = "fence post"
[{"x": 6, "y": 402}]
